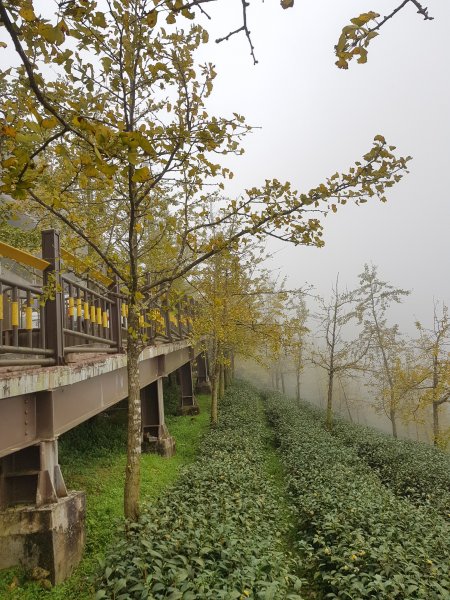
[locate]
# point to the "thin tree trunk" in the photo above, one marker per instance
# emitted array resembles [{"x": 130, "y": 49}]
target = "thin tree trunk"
[
  {"x": 227, "y": 377},
  {"x": 277, "y": 380},
  {"x": 436, "y": 432},
  {"x": 221, "y": 382},
  {"x": 215, "y": 377},
  {"x": 436, "y": 429},
  {"x": 393, "y": 418},
  {"x": 298, "y": 385},
  {"x": 133, "y": 466},
  {"x": 329, "y": 417},
  {"x": 283, "y": 385},
  {"x": 214, "y": 403},
  {"x": 346, "y": 401}
]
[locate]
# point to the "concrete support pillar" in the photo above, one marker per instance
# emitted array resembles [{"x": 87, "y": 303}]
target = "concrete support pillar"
[
  {"x": 41, "y": 524},
  {"x": 32, "y": 476},
  {"x": 155, "y": 435},
  {"x": 188, "y": 404},
  {"x": 203, "y": 385}
]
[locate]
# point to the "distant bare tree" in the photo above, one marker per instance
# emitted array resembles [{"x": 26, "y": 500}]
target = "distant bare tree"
[{"x": 339, "y": 356}]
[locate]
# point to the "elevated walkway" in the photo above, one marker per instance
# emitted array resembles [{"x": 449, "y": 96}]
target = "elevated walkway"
[{"x": 62, "y": 361}]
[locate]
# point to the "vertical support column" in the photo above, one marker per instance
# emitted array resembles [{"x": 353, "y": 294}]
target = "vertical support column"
[
  {"x": 53, "y": 314},
  {"x": 50, "y": 485},
  {"x": 155, "y": 435},
  {"x": 188, "y": 405},
  {"x": 203, "y": 385}
]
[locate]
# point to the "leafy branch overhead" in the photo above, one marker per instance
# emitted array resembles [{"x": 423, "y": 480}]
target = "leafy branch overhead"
[
  {"x": 356, "y": 37},
  {"x": 117, "y": 146}
]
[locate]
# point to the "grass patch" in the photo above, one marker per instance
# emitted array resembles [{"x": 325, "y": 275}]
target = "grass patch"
[{"x": 92, "y": 458}]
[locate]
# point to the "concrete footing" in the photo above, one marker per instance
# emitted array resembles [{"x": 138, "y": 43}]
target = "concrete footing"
[
  {"x": 164, "y": 444},
  {"x": 51, "y": 536}
]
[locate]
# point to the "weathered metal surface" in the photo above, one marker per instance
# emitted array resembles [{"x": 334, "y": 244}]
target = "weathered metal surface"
[
  {"x": 16, "y": 383},
  {"x": 59, "y": 398},
  {"x": 17, "y": 423}
]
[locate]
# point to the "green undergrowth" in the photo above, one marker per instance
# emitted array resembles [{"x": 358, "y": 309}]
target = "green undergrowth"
[
  {"x": 356, "y": 537},
  {"x": 218, "y": 532},
  {"x": 92, "y": 458}
]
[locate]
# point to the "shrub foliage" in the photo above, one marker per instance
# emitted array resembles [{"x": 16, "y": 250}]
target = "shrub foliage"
[
  {"x": 412, "y": 470},
  {"x": 357, "y": 538},
  {"x": 218, "y": 532}
]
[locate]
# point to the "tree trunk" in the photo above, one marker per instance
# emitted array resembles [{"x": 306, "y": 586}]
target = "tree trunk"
[
  {"x": 283, "y": 385},
  {"x": 214, "y": 403},
  {"x": 393, "y": 417},
  {"x": 436, "y": 430},
  {"x": 214, "y": 378},
  {"x": 227, "y": 377},
  {"x": 221, "y": 382},
  {"x": 133, "y": 466},
  {"x": 329, "y": 417},
  {"x": 277, "y": 380},
  {"x": 298, "y": 385}
]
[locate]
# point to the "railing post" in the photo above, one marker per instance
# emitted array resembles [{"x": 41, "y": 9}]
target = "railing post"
[
  {"x": 149, "y": 328},
  {"x": 167, "y": 317},
  {"x": 53, "y": 312},
  {"x": 179, "y": 319},
  {"x": 115, "y": 321}
]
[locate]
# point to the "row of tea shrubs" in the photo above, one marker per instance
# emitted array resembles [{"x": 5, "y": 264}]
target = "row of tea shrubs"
[
  {"x": 356, "y": 537},
  {"x": 412, "y": 470},
  {"x": 218, "y": 532}
]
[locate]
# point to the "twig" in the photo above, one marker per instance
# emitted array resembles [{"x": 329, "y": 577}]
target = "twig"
[
  {"x": 420, "y": 9},
  {"x": 244, "y": 28}
]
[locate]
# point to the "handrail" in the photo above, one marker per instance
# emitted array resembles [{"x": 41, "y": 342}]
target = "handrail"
[
  {"x": 23, "y": 286},
  {"x": 51, "y": 319},
  {"x": 23, "y": 257},
  {"x": 87, "y": 290}
]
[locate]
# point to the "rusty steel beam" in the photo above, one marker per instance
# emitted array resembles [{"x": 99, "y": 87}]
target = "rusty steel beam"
[{"x": 54, "y": 401}]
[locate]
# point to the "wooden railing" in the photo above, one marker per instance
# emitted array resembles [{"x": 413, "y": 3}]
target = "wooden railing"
[{"x": 68, "y": 313}]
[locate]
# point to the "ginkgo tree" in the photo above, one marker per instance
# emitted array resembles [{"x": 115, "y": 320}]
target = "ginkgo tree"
[
  {"x": 298, "y": 339},
  {"x": 434, "y": 358},
  {"x": 105, "y": 128},
  {"x": 387, "y": 344},
  {"x": 232, "y": 319},
  {"x": 339, "y": 355}
]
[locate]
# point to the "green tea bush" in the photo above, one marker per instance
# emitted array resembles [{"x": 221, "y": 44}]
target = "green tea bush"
[
  {"x": 356, "y": 538},
  {"x": 218, "y": 532},
  {"x": 411, "y": 469}
]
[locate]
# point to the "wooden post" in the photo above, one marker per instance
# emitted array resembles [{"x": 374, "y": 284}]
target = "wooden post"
[
  {"x": 53, "y": 313},
  {"x": 115, "y": 321}
]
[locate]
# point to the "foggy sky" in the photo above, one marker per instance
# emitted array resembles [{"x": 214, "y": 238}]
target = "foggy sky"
[{"x": 317, "y": 119}]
